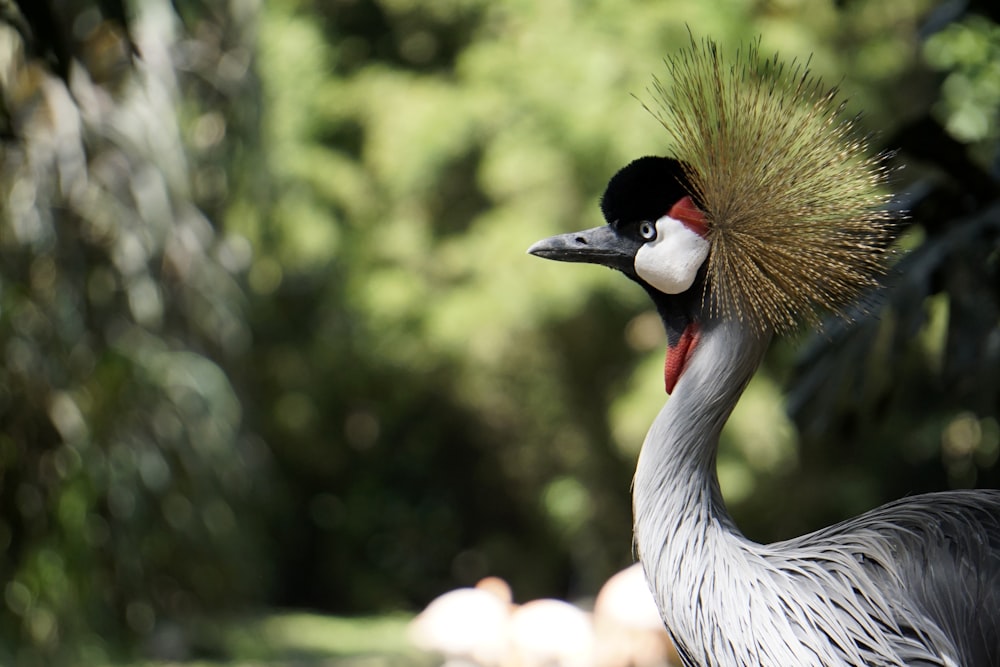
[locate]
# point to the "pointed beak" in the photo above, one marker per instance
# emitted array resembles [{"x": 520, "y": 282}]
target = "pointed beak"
[{"x": 600, "y": 245}]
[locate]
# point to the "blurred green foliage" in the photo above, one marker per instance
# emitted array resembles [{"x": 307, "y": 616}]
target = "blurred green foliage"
[
  {"x": 270, "y": 336},
  {"x": 132, "y": 491},
  {"x": 969, "y": 51}
]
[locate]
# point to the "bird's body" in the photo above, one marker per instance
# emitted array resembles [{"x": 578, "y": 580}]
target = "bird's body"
[
  {"x": 769, "y": 211},
  {"x": 915, "y": 582}
]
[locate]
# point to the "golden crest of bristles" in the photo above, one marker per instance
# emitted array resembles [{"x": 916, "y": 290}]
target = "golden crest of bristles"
[{"x": 794, "y": 204}]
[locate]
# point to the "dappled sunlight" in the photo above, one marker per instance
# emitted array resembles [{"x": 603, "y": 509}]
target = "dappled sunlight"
[{"x": 270, "y": 337}]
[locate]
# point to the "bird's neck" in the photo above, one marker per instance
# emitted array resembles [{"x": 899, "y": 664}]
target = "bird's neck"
[{"x": 679, "y": 512}]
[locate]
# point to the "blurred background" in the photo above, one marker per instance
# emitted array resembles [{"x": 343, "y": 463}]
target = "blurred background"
[{"x": 275, "y": 369}]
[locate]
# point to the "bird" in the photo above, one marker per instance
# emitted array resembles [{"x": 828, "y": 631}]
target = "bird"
[
  {"x": 470, "y": 624},
  {"x": 767, "y": 212},
  {"x": 627, "y": 625},
  {"x": 551, "y": 633},
  {"x": 483, "y": 626}
]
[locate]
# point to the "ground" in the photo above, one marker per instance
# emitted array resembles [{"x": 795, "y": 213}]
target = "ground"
[{"x": 299, "y": 639}]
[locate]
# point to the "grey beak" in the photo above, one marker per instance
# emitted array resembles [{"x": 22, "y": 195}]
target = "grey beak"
[{"x": 600, "y": 245}]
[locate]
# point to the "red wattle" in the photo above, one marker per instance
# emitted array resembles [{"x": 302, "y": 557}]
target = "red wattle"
[
  {"x": 677, "y": 356},
  {"x": 692, "y": 217}
]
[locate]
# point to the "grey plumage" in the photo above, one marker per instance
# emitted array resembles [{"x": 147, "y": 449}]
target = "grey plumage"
[{"x": 914, "y": 583}]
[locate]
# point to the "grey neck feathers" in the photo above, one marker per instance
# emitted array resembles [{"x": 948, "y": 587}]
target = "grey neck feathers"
[
  {"x": 680, "y": 517},
  {"x": 676, "y": 470}
]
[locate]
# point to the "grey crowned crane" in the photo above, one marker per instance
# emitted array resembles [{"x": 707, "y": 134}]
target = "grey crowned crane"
[{"x": 770, "y": 212}]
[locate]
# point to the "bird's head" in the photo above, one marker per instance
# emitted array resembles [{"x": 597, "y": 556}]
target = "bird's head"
[
  {"x": 770, "y": 211},
  {"x": 655, "y": 234}
]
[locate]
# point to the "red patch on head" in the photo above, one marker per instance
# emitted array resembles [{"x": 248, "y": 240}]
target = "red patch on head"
[
  {"x": 692, "y": 217},
  {"x": 678, "y": 355}
]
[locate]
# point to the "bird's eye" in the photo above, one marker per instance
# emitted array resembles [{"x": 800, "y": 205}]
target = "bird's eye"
[{"x": 647, "y": 230}]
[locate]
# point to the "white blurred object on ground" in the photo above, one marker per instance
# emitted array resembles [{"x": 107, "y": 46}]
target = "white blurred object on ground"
[
  {"x": 627, "y": 624},
  {"x": 551, "y": 633},
  {"x": 482, "y": 627},
  {"x": 467, "y": 624}
]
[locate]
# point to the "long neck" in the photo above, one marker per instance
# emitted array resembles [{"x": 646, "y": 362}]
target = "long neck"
[{"x": 679, "y": 511}]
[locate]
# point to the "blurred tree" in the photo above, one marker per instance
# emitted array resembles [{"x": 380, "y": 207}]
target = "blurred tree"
[
  {"x": 269, "y": 333},
  {"x": 129, "y": 486},
  {"x": 908, "y": 400}
]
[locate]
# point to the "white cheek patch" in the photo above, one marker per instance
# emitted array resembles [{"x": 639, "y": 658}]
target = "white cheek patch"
[{"x": 671, "y": 262}]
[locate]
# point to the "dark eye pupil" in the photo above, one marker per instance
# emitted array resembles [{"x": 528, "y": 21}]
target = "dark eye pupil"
[{"x": 647, "y": 231}]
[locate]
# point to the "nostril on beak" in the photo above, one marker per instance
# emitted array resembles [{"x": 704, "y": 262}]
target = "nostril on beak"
[{"x": 581, "y": 240}]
